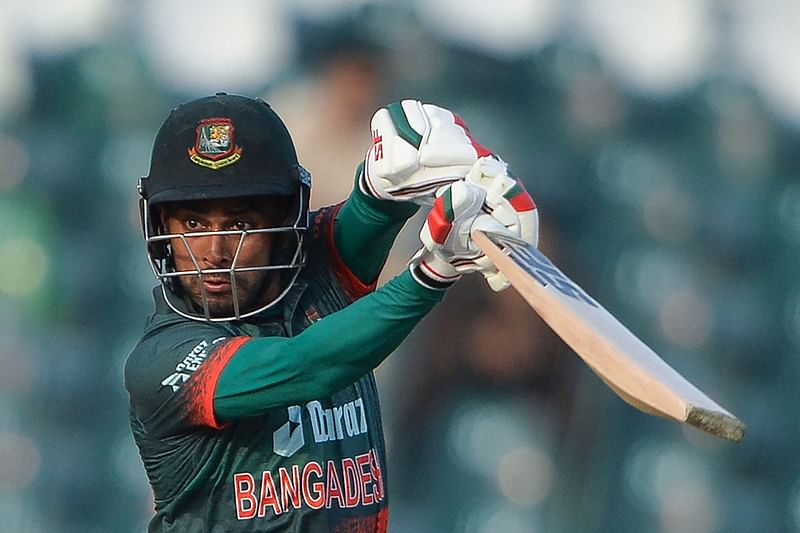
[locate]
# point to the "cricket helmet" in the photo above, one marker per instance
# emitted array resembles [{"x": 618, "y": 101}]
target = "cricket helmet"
[{"x": 221, "y": 147}]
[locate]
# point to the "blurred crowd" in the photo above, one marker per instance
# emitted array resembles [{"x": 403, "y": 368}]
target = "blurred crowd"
[{"x": 659, "y": 140}]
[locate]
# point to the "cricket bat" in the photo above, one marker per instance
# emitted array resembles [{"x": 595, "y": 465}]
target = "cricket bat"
[{"x": 625, "y": 363}]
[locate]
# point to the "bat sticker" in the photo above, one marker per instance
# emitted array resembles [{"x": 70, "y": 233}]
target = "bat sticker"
[{"x": 540, "y": 267}]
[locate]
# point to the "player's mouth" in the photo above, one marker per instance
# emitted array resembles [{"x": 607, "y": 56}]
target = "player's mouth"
[{"x": 217, "y": 286}]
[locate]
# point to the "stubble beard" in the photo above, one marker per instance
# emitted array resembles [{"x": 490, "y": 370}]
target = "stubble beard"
[{"x": 253, "y": 289}]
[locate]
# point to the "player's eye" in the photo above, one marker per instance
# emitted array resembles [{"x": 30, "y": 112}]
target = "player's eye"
[
  {"x": 191, "y": 223},
  {"x": 242, "y": 225}
]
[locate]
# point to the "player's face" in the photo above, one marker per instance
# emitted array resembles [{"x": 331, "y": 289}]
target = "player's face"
[{"x": 220, "y": 251}]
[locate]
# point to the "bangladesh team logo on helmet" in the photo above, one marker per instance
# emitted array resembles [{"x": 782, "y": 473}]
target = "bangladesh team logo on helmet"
[{"x": 215, "y": 147}]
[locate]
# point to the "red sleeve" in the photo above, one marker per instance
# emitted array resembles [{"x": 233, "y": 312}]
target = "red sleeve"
[{"x": 202, "y": 386}]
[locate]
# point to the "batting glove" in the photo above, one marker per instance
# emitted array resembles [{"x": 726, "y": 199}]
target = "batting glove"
[
  {"x": 417, "y": 149},
  {"x": 498, "y": 205}
]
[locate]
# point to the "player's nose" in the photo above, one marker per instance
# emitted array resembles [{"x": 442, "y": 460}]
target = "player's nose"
[{"x": 217, "y": 251}]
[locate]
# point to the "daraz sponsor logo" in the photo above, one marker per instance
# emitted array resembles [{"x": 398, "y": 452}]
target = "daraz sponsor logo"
[
  {"x": 327, "y": 424},
  {"x": 335, "y": 423}
]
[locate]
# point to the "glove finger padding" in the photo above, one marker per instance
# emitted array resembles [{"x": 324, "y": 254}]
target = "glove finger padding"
[
  {"x": 511, "y": 208},
  {"x": 488, "y": 200},
  {"x": 448, "y": 224},
  {"x": 448, "y": 248},
  {"x": 506, "y": 198},
  {"x": 417, "y": 148}
]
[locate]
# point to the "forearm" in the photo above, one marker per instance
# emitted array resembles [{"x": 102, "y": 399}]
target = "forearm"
[
  {"x": 365, "y": 229},
  {"x": 332, "y": 353}
]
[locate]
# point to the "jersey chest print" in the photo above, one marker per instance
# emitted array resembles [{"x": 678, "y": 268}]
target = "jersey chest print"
[{"x": 344, "y": 482}]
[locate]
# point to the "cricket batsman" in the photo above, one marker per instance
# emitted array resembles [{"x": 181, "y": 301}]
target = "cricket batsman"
[{"x": 252, "y": 398}]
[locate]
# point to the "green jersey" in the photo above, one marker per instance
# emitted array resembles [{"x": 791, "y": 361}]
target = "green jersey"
[{"x": 273, "y": 423}]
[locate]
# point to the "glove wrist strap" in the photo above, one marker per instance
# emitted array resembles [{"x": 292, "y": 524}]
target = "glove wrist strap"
[{"x": 431, "y": 272}]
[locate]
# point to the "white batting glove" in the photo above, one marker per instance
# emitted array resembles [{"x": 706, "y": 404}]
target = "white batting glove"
[
  {"x": 510, "y": 205},
  {"x": 506, "y": 198},
  {"x": 417, "y": 149},
  {"x": 498, "y": 205}
]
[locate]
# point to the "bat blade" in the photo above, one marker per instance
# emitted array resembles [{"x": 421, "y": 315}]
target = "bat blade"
[{"x": 626, "y": 364}]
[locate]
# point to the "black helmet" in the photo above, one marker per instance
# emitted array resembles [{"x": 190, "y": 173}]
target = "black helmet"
[{"x": 218, "y": 147}]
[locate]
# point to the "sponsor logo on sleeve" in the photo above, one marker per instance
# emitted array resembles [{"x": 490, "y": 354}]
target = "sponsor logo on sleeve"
[{"x": 190, "y": 363}]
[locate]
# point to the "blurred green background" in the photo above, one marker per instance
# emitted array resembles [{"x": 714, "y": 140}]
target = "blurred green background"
[{"x": 659, "y": 138}]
